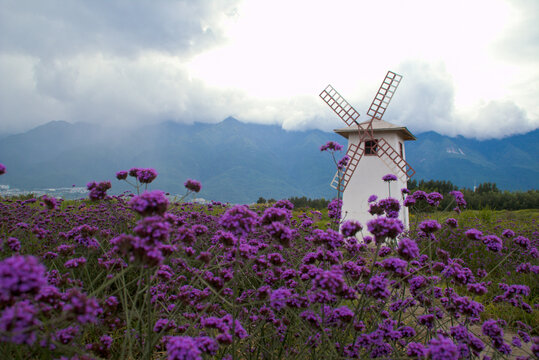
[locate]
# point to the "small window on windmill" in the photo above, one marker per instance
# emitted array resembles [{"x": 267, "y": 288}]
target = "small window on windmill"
[
  {"x": 371, "y": 147},
  {"x": 401, "y": 148}
]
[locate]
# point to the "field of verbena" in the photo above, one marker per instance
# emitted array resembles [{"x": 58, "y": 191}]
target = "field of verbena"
[{"x": 141, "y": 278}]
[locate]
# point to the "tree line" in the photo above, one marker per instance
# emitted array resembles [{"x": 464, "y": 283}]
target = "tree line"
[
  {"x": 485, "y": 196},
  {"x": 300, "y": 202}
]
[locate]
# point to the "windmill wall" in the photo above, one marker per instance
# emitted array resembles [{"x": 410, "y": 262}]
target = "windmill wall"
[{"x": 367, "y": 181}]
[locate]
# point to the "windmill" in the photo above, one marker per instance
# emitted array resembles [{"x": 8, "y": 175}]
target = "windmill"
[{"x": 372, "y": 138}]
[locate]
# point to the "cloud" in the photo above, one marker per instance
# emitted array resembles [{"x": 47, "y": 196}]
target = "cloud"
[
  {"x": 425, "y": 97},
  {"x": 425, "y": 101},
  {"x": 104, "y": 61},
  {"x": 21, "y": 106},
  {"x": 495, "y": 119},
  {"x": 58, "y": 29},
  {"x": 130, "y": 63},
  {"x": 520, "y": 42}
]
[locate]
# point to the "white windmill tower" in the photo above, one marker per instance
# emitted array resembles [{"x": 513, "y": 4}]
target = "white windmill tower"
[{"x": 375, "y": 148}]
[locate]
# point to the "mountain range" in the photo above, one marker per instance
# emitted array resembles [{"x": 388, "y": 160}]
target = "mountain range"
[{"x": 240, "y": 162}]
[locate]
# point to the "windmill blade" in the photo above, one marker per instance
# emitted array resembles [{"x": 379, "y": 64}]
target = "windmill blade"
[
  {"x": 354, "y": 152},
  {"x": 387, "y": 153},
  {"x": 383, "y": 96},
  {"x": 341, "y": 107}
]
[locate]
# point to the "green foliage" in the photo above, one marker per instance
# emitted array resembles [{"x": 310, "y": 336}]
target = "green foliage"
[
  {"x": 486, "y": 195},
  {"x": 478, "y": 258},
  {"x": 304, "y": 202}
]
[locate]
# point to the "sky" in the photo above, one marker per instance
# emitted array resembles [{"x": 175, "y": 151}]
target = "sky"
[{"x": 469, "y": 67}]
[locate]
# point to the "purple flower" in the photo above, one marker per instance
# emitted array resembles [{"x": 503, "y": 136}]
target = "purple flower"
[
  {"x": 451, "y": 222},
  {"x": 133, "y": 172},
  {"x": 83, "y": 309},
  {"x": 473, "y": 234},
  {"x": 442, "y": 348},
  {"x": 150, "y": 203},
  {"x": 331, "y": 280},
  {"x": 331, "y": 146},
  {"x": 372, "y": 198},
  {"x": 396, "y": 265},
  {"x": 344, "y": 314},
  {"x": 343, "y": 162},
  {"x": 65, "y": 336},
  {"x": 14, "y": 244},
  {"x": 493, "y": 243},
  {"x": 430, "y": 226},
  {"x": 192, "y": 185},
  {"x": 409, "y": 200},
  {"x": 284, "y": 204},
  {"x": 75, "y": 263},
  {"x": 21, "y": 275},
  {"x": 312, "y": 318},
  {"x": 146, "y": 176},
  {"x": 226, "y": 238},
  {"x": 183, "y": 348},
  {"x": 390, "y": 206},
  {"x": 83, "y": 235},
  {"x": 279, "y": 297},
  {"x": 491, "y": 329},
  {"x": 408, "y": 249},
  {"x": 18, "y": 323},
  {"x": 239, "y": 219},
  {"x": 2, "y": 169},
  {"x": 389, "y": 177},
  {"x": 334, "y": 209},
  {"x": 420, "y": 195},
  {"x": 279, "y": 231},
  {"x": 522, "y": 241},
  {"x": 477, "y": 288},
  {"x": 329, "y": 238},
  {"x": 98, "y": 191},
  {"x": 426, "y": 320},
  {"x": 275, "y": 214},
  {"x": 434, "y": 198},
  {"x": 459, "y": 198},
  {"x": 164, "y": 324},
  {"x": 121, "y": 175},
  {"x": 377, "y": 287},
  {"x": 49, "y": 202},
  {"x": 350, "y": 228},
  {"x": 383, "y": 227},
  {"x": 508, "y": 233},
  {"x": 416, "y": 351}
]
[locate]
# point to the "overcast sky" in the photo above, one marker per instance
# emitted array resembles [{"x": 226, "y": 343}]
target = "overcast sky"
[{"x": 469, "y": 67}]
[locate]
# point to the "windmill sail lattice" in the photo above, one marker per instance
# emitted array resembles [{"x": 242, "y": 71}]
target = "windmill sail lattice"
[
  {"x": 384, "y": 95},
  {"x": 341, "y": 179},
  {"x": 387, "y": 152},
  {"x": 365, "y": 131},
  {"x": 341, "y": 107}
]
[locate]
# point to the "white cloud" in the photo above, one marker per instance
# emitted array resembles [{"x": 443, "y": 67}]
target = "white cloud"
[{"x": 466, "y": 70}]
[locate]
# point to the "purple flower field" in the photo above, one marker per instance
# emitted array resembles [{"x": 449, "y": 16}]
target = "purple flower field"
[{"x": 145, "y": 277}]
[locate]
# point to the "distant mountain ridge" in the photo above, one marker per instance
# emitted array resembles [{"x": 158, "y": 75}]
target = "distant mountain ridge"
[
  {"x": 239, "y": 162},
  {"x": 512, "y": 162}
]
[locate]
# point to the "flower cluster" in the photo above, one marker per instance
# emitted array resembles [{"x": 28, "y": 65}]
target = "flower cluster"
[
  {"x": 139, "y": 277},
  {"x": 389, "y": 177},
  {"x": 331, "y": 146},
  {"x": 98, "y": 191},
  {"x": 150, "y": 203},
  {"x": 192, "y": 185}
]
